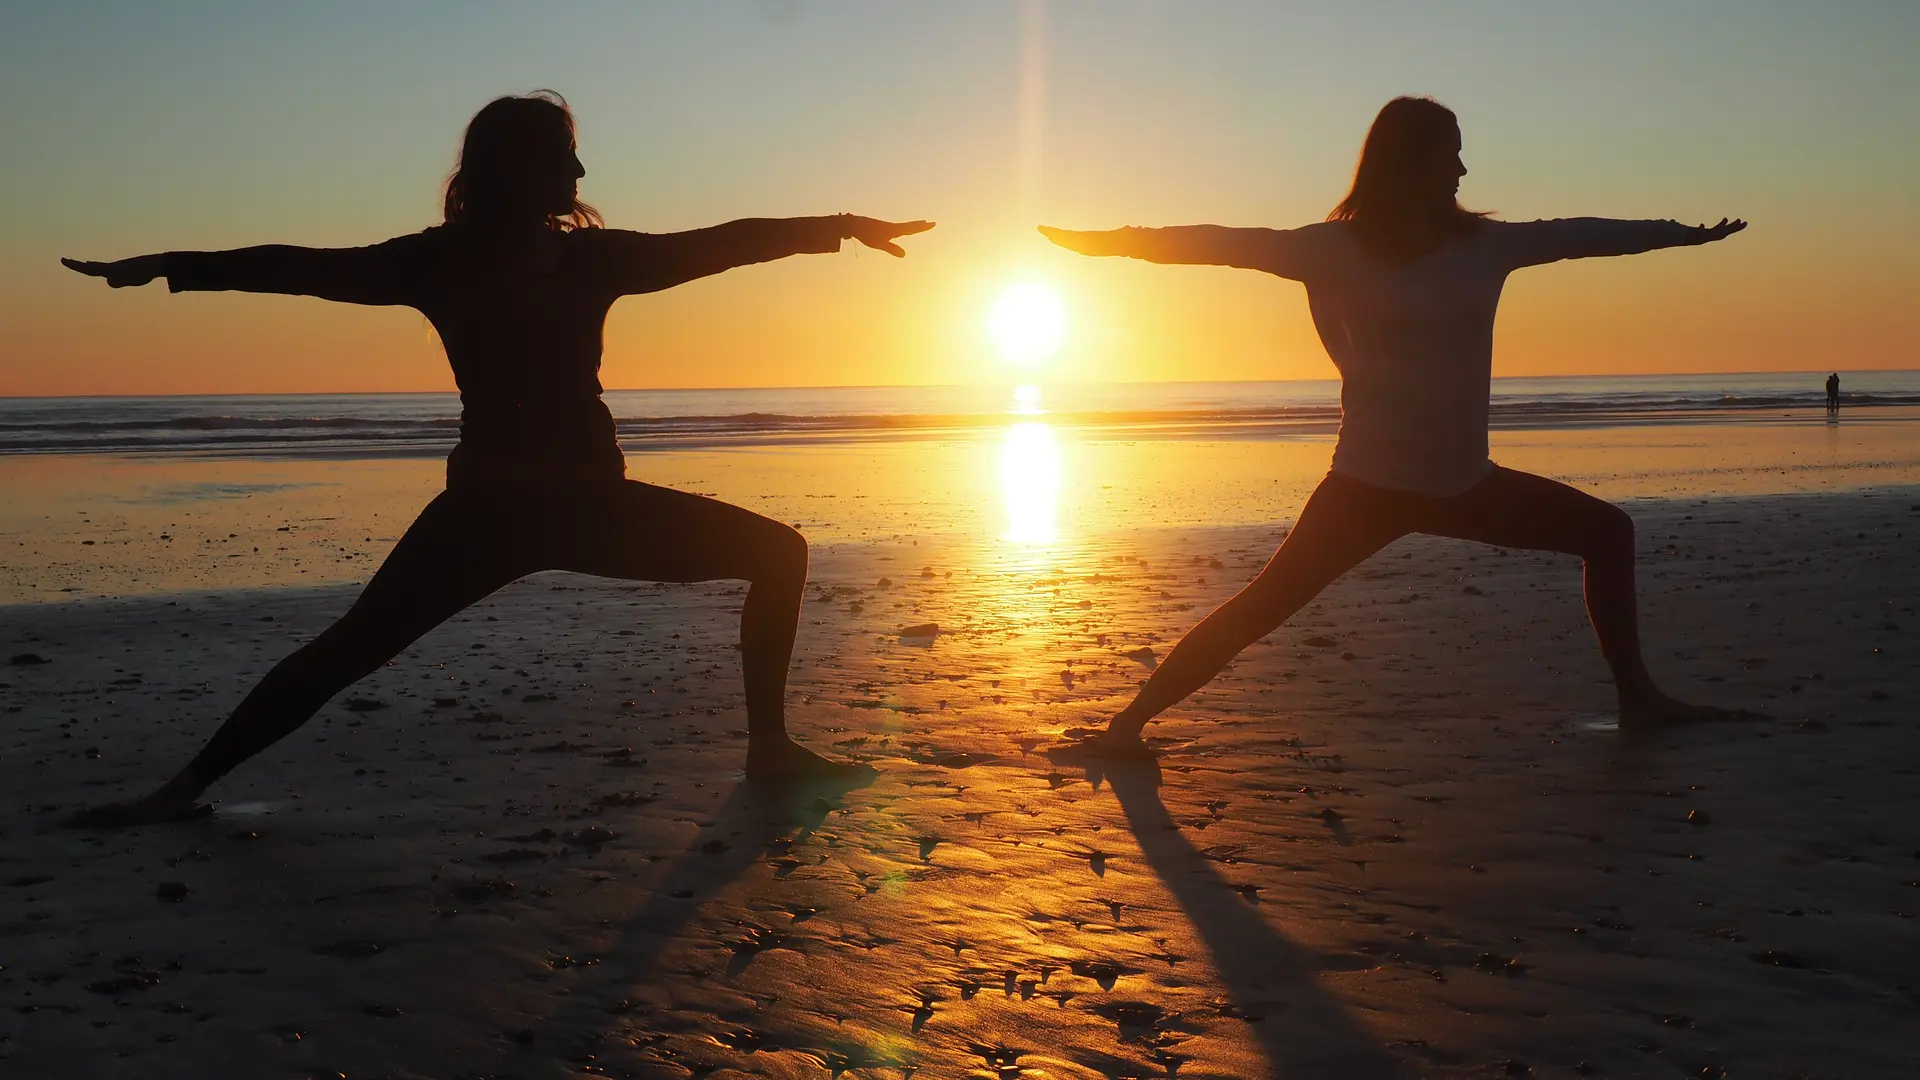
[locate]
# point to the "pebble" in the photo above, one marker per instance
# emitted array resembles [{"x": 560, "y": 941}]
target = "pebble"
[{"x": 349, "y": 950}]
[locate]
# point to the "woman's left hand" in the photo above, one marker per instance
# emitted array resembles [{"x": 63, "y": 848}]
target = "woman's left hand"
[
  {"x": 124, "y": 273},
  {"x": 1707, "y": 234}
]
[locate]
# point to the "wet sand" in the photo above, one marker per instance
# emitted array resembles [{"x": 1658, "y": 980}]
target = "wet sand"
[
  {"x": 80, "y": 526},
  {"x": 1396, "y": 838}
]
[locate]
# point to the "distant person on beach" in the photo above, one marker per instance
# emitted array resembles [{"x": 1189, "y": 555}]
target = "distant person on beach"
[
  {"x": 1402, "y": 283},
  {"x": 518, "y": 282},
  {"x": 1833, "y": 392}
]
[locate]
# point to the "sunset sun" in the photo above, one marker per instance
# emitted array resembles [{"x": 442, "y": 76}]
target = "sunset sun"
[{"x": 1028, "y": 323}]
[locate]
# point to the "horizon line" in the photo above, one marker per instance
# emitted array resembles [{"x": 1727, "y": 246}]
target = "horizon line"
[{"x": 950, "y": 386}]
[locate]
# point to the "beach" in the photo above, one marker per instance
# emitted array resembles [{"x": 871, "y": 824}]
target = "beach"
[{"x": 1399, "y": 837}]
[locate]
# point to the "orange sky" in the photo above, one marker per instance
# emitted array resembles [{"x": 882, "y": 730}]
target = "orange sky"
[{"x": 312, "y": 127}]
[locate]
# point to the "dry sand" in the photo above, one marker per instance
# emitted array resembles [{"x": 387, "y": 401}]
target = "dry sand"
[{"x": 1396, "y": 838}]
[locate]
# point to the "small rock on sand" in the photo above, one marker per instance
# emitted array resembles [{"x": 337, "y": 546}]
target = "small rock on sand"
[{"x": 349, "y": 950}]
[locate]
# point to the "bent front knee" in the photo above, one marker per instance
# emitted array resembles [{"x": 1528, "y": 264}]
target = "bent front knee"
[
  {"x": 1613, "y": 537},
  {"x": 784, "y": 551}
]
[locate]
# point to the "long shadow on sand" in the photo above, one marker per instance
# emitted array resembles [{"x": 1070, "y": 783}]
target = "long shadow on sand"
[
  {"x": 765, "y": 819},
  {"x": 1307, "y": 1033}
]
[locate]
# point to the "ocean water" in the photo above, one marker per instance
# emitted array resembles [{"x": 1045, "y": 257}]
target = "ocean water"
[{"x": 403, "y": 425}]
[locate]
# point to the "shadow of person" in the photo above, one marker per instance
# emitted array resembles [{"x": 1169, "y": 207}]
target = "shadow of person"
[
  {"x": 1312, "y": 1035},
  {"x": 764, "y": 817}
]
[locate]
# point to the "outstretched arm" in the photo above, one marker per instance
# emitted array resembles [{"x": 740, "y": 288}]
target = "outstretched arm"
[
  {"x": 649, "y": 262},
  {"x": 1530, "y": 243},
  {"x": 381, "y": 274},
  {"x": 1286, "y": 252}
]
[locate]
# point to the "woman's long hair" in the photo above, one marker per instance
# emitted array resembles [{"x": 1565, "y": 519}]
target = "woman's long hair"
[
  {"x": 494, "y": 180},
  {"x": 1393, "y": 204}
]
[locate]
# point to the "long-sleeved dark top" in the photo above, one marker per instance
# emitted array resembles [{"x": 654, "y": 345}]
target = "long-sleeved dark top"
[{"x": 523, "y": 332}]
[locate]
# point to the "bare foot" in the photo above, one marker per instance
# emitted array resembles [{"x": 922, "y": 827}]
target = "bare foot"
[
  {"x": 176, "y": 800},
  {"x": 1106, "y": 745},
  {"x": 161, "y": 806},
  {"x": 1660, "y": 712},
  {"x": 784, "y": 760}
]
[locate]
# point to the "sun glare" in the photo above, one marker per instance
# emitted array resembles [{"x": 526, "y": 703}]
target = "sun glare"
[{"x": 1028, "y": 323}]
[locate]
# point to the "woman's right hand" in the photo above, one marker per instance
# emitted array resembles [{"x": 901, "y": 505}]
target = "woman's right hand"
[
  {"x": 1102, "y": 242},
  {"x": 1067, "y": 238},
  {"x": 124, "y": 273}
]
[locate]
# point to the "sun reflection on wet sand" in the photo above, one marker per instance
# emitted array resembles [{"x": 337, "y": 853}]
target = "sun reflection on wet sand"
[
  {"x": 1029, "y": 558},
  {"x": 1030, "y": 474},
  {"x": 1030, "y": 483}
]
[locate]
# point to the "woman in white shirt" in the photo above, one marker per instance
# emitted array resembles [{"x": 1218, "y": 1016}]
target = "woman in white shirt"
[{"x": 1403, "y": 283}]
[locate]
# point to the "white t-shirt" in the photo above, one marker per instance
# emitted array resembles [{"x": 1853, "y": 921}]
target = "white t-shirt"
[{"x": 1413, "y": 340}]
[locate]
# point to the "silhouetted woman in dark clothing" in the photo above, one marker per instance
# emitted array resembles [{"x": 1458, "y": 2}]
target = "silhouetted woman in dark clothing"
[
  {"x": 518, "y": 283},
  {"x": 1403, "y": 283}
]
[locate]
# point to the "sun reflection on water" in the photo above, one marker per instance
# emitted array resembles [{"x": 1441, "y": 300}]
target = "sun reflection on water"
[
  {"x": 1030, "y": 475},
  {"x": 1030, "y": 481}
]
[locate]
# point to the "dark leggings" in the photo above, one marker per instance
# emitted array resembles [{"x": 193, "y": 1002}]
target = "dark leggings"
[
  {"x": 476, "y": 538},
  {"x": 1346, "y": 521}
]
